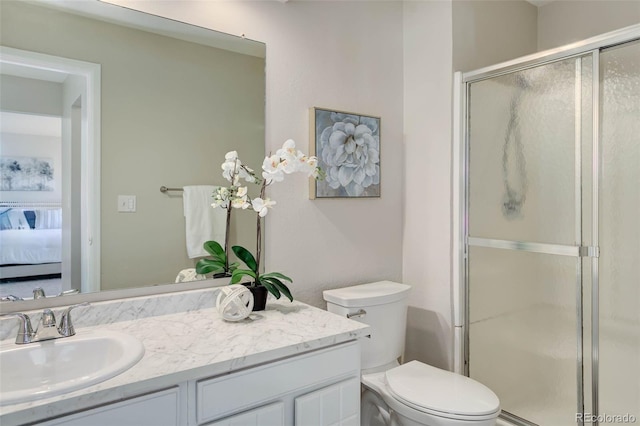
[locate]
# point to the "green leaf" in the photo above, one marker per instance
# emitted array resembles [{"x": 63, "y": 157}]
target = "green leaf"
[
  {"x": 206, "y": 266},
  {"x": 277, "y": 275},
  {"x": 244, "y": 255},
  {"x": 239, "y": 273},
  {"x": 215, "y": 249},
  {"x": 280, "y": 286},
  {"x": 271, "y": 289},
  {"x": 233, "y": 266}
]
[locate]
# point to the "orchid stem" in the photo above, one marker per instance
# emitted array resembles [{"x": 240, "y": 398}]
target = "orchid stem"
[
  {"x": 259, "y": 231},
  {"x": 226, "y": 239}
]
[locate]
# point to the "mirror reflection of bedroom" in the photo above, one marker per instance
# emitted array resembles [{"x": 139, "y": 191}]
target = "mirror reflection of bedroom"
[{"x": 36, "y": 165}]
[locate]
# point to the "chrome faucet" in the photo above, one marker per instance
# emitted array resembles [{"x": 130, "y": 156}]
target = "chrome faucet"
[
  {"x": 11, "y": 298},
  {"x": 25, "y": 331},
  {"x": 47, "y": 328},
  {"x": 66, "y": 328},
  {"x": 38, "y": 293}
]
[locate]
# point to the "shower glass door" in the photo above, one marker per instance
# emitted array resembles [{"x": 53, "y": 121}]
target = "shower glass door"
[
  {"x": 619, "y": 310},
  {"x": 529, "y": 189}
]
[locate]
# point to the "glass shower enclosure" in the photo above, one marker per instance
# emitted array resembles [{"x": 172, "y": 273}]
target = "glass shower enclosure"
[{"x": 550, "y": 232}]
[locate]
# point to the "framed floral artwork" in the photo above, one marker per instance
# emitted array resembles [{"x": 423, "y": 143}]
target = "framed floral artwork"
[
  {"x": 26, "y": 174},
  {"x": 348, "y": 149}
]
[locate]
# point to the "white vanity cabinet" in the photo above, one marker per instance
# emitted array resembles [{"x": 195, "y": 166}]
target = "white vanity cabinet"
[
  {"x": 317, "y": 388},
  {"x": 296, "y": 388}
]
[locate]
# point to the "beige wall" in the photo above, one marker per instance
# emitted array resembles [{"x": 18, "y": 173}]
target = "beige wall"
[
  {"x": 30, "y": 96},
  {"x": 342, "y": 55},
  {"x": 151, "y": 87},
  {"x": 562, "y": 22},
  {"x": 487, "y": 32}
]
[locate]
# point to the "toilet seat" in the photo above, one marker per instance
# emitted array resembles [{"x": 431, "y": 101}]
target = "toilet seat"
[{"x": 441, "y": 393}]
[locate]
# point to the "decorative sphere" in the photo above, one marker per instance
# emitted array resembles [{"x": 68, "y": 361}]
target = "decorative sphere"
[{"x": 234, "y": 302}]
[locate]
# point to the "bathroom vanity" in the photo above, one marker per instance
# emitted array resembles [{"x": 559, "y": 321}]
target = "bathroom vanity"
[{"x": 291, "y": 364}]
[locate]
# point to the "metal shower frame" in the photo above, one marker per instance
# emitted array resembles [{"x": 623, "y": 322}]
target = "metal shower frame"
[{"x": 460, "y": 189}]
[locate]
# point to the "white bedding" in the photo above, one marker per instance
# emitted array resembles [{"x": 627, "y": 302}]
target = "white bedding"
[{"x": 30, "y": 246}]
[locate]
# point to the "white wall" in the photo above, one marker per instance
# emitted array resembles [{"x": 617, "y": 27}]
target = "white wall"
[
  {"x": 426, "y": 259},
  {"x": 342, "y": 55},
  {"x": 563, "y": 22}
]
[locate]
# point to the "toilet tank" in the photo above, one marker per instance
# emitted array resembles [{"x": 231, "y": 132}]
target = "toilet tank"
[{"x": 381, "y": 305}]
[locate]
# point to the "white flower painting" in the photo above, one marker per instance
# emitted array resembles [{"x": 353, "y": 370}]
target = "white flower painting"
[
  {"x": 26, "y": 174},
  {"x": 348, "y": 150}
]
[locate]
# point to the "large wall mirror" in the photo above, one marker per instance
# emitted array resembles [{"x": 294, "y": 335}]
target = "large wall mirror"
[{"x": 128, "y": 103}]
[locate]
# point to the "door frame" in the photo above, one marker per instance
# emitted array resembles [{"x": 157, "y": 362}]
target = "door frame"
[{"x": 90, "y": 158}]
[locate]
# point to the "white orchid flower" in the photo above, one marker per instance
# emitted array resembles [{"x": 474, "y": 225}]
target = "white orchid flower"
[
  {"x": 240, "y": 203},
  {"x": 288, "y": 149},
  {"x": 289, "y": 157},
  {"x": 240, "y": 199},
  {"x": 288, "y": 165},
  {"x": 245, "y": 173},
  {"x": 272, "y": 170},
  {"x": 230, "y": 171},
  {"x": 233, "y": 170},
  {"x": 220, "y": 197},
  {"x": 262, "y": 206}
]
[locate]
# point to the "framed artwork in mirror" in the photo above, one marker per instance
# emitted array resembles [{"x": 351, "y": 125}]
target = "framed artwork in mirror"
[
  {"x": 348, "y": 149},
  {"x": 26, "y": 174}
]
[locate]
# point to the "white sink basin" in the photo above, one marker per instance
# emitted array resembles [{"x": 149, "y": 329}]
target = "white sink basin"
[{"x": 53, "y": 367}]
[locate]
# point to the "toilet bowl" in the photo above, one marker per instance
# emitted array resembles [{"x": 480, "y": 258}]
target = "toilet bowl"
[
  {"x": 419, "y": 394},
  {"x": 414, "y": 393}
]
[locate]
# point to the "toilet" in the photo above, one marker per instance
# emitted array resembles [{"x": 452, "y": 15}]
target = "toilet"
[{"x": 414, "y": 393}]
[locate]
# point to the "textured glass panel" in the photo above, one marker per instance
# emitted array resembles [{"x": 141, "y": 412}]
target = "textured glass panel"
[
  {"x": 523, "y": 128},
  {"x": 522, "y": 333},
  {"x": 619, "y": 231}
]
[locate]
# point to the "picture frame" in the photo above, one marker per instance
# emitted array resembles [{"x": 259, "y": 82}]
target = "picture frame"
[
  {"x": 347, "y": 145},
  {"x": 26, "y": 173}
]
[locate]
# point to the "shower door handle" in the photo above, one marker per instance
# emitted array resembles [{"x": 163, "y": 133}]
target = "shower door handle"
[{"x": 589, "y": 251}]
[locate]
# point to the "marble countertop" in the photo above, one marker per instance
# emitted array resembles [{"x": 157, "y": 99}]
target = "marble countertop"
[{"x": 182, "y": 346}]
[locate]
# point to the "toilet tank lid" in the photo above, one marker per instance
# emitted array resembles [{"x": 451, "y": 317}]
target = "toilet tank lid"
[{"x": 371, "y": 294}]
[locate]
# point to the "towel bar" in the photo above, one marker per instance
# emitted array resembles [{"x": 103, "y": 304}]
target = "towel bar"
[{"x": 165, "y": 189}]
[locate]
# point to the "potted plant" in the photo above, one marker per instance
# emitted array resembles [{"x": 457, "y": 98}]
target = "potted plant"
[
  {"x": 218, "y": 264},
  {"x": 285, "y": 161},
  {"x": 233, "y": 196}
]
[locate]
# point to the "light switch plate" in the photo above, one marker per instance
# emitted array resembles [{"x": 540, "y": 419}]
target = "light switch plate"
[{"x": 127, "y": 203}]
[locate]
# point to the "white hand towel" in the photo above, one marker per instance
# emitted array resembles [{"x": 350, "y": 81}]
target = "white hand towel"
[{"x": 203, "y": 222}]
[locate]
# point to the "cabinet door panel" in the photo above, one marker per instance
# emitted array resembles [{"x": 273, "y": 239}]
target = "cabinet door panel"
[
  {"x": 334, "y": 405},
  {"x": 272, "y": 415},
  {"x": 157, "y": 409}
]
